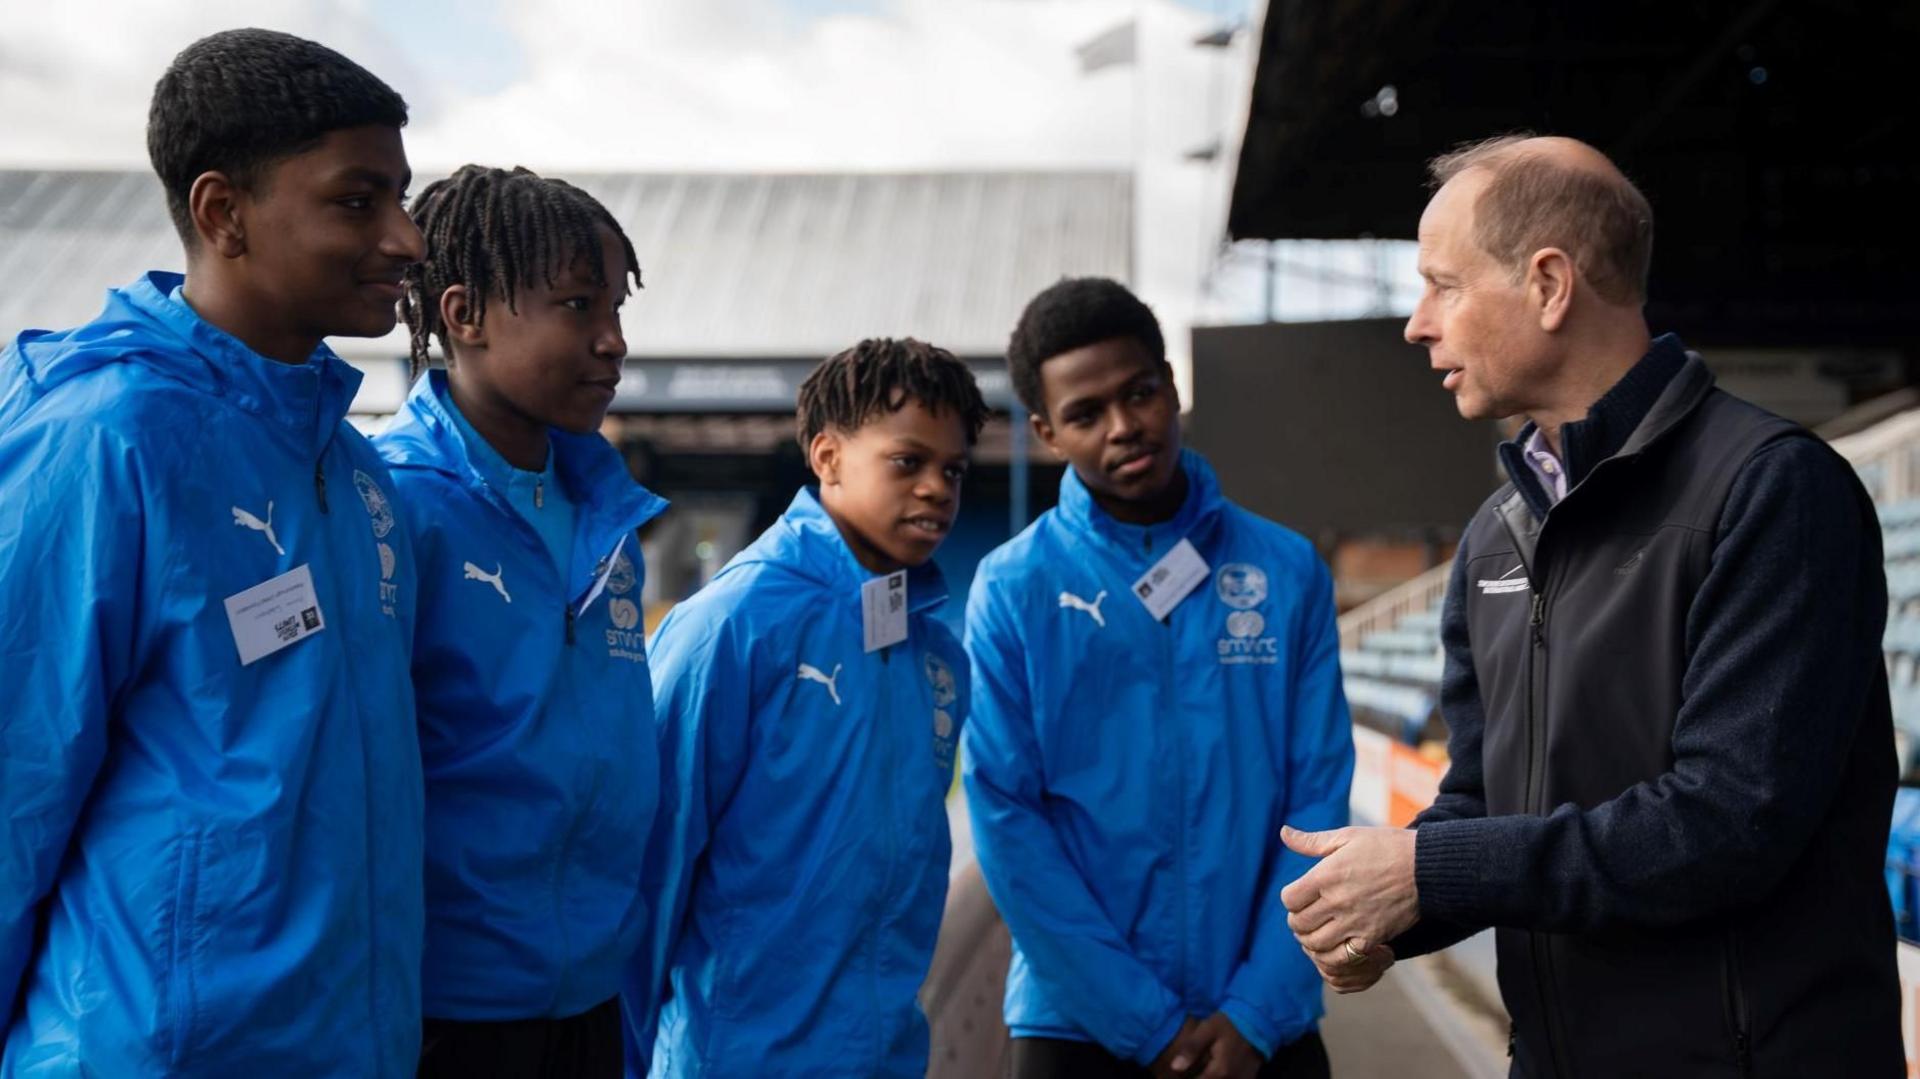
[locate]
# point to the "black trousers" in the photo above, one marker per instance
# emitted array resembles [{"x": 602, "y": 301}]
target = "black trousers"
[
  {"x": 584, "y": 1046},
  {"x": 1056, "y": 1058}
]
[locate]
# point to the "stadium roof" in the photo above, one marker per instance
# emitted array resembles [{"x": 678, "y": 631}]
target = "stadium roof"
[
  {"x": 760, "y": 267},
  {"x": 1771, "y": 137}
]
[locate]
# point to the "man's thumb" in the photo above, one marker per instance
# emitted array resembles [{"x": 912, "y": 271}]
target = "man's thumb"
[{"x": 1311, "y": 844}]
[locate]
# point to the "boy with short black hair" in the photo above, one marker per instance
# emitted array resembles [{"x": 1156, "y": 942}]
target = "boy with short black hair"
[
  {"x": 211, "y": 778},
  {"x": 809, "y": 704},
  {"x": 1157, "y": 690}
]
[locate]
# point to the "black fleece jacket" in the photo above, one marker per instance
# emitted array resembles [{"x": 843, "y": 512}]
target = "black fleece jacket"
[{"x": 1781, "y": 626}]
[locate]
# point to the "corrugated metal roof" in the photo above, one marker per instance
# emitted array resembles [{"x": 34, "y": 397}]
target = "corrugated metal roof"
[{"x": 736, "y": 266}]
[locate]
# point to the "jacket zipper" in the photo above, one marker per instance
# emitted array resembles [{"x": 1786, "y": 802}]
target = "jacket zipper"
[
  {"x": 1169, "y": 710},
  {"x": 1542, "y": 943},
  {"x": 1737, "y": 1005},
  {"x": 320, "y": 480},
  {"x": 883, "y": 729}
]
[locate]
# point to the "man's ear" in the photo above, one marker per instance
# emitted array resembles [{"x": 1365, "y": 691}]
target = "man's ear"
[
  {"x": 1550, "y": 277},
  {"x": 215, "y": 205},
  {"x": 460, "y": 313},
  {"x": 1043, "y": 430},
  {"x": 823, "y": 456}
]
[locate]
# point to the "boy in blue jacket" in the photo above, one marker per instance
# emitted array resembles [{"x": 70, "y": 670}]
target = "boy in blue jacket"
[
  {"x": 808, "y": 704},
  {"x": 210, "y": 777},
  {"x": 1156, "y": 691},
  {"x": 530, "y": 674}
]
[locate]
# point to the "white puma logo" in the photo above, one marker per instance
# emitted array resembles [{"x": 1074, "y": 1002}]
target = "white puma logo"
[
  {"x": 1068, "y": 599},
  {"x": 475, "y": 573},
  {"x": 247, "y": 520},
  {"x": 811, "y": 673}
]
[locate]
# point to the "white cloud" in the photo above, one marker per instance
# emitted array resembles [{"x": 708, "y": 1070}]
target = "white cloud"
[{"x": 715, "y": 84}]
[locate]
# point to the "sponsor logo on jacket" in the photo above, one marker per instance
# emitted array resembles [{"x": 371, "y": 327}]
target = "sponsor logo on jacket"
[
  {"x": 946, "y": 692},
  {"x": 1241, "y": 588},
  {"x": 380, "y": 518}
]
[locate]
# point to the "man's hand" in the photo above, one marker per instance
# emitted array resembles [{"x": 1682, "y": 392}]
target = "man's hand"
[
  {"x": 1228, "y": 1055},
  {"x": 1345, "y": 974},
  {"x": 1362, "y": 891},
  {"x": 1181, "y": 1054}
]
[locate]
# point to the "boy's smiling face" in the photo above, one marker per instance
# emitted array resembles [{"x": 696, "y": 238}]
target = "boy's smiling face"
[
  {"x": 325, "y": 237},
  {"x": 893, "y": 485}
]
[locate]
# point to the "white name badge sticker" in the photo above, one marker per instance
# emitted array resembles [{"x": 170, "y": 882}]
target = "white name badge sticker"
[
  {"x": 883, "y": 611},
  {"x": 1171, "y": 580},
  {"x": 274, "y": 614}
]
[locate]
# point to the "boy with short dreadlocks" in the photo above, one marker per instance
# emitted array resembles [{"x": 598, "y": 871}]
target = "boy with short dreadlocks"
[
  {"x": 809, "y": 704},
  {"x": 530, "y": 674}
]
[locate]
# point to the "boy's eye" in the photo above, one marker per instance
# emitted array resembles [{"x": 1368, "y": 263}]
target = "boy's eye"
[
  {"x": 956, "y": 473},
  {"x": 577, "y": 303},
  {"x": 357, "y": 202},
  {"x": 1080, "y": 419},
  {"x": 906, "y": 463}
]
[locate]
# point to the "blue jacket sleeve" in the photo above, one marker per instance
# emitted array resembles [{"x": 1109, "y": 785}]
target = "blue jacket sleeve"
[
  {"x": 702, "y": 698},
  {"x": 1070, "y": 945},
  {"x": 1274, "y": 997},
  {"x": 70, "y": 549}
]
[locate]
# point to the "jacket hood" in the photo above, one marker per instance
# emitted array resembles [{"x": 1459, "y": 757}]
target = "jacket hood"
[
  {"x": 1203, "y": 504},
  {"x": 150, "y": 324},
  {"x": 425, "y": 435},
  {"x": 807, "y": 543}
]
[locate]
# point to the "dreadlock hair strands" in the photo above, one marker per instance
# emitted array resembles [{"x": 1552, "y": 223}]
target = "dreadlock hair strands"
[
  {"x": 494, "y": 232},
  {"x": 880, "y": 375}
]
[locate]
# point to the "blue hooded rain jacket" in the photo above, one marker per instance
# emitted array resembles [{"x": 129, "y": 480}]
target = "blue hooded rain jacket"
[
  {"x": 803, "y": 850},
  {"x": 536, "y": 724},
  {"x": 1127, "y": 778},
  {"x": 210, "y": 868}
]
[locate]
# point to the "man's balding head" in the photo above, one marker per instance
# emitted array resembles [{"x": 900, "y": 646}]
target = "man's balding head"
[{"x": 1540, "y": 192}]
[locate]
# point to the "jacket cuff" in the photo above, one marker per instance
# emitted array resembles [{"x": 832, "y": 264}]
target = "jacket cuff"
[
  {"x": 1446, "y": 868},
  {"x": 1159, "y": 1039},
  {"x": 1260, "y": 1033}
]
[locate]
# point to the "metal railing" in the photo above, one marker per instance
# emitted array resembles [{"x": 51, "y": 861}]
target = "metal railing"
[{"x": 1384, "y": 611}]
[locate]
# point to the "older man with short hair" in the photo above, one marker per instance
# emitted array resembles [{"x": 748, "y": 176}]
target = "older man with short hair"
[{"x": 1672, "y": 750}]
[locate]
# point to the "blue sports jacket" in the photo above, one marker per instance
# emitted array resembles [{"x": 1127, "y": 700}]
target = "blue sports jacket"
[
  {"x": 536, "y": 724},
  {"x": 1128, "y": 778},
  {"x": 803, "y": 850},
  {"x": 210, "y": 868}
]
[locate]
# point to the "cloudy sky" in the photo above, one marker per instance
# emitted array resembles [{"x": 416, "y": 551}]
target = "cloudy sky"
[{"x": 764, "y": 85}]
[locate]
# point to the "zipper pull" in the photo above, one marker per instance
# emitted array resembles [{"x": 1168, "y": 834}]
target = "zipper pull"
[
  {"x": 569, "y": 610},
  {"x": 1539, "y": 609},
  {"x": 320, "y": 482},
  {"x": 539, "y": 494}
]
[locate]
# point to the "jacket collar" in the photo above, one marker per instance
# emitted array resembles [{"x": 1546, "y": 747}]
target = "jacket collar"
[
  {"x": 807, "y": 541},
  {"x": 1649, "y": 400},
  {"x": 1082, "y": 515},
  {"x": 311, "y": 397},
  {"x": 608, "y": 502}
]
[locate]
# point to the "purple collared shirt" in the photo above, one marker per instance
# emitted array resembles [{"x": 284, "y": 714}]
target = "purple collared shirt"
[{"x": 1546, "y": 467}]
